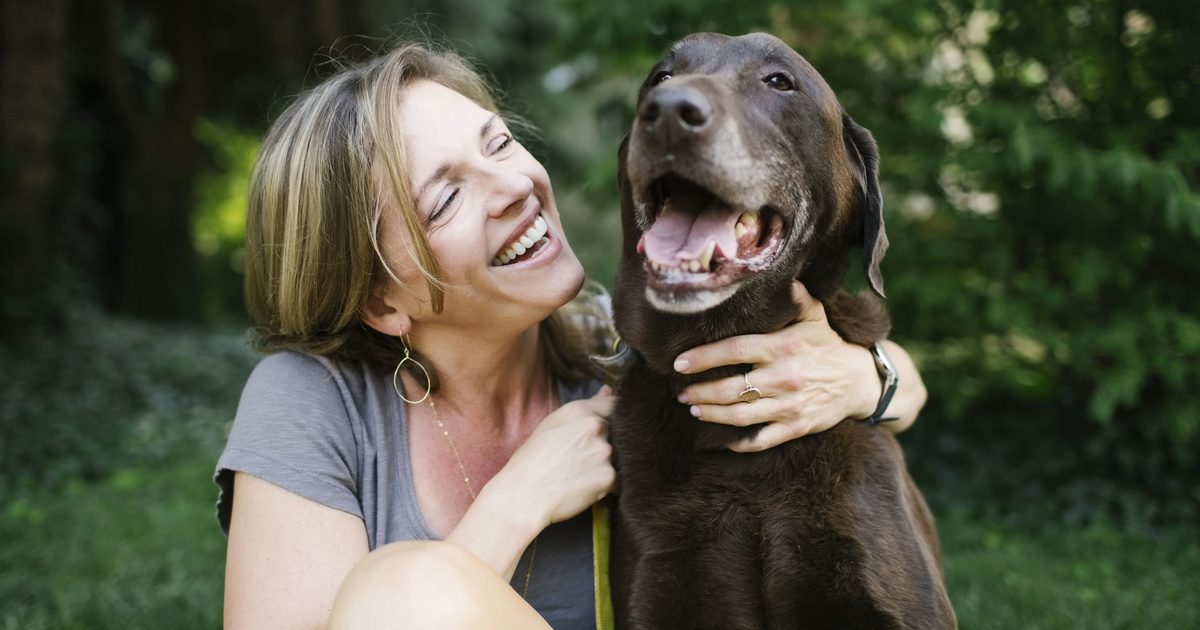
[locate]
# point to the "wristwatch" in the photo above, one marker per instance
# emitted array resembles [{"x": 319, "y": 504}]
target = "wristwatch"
[{"x": 890, "y": 379}]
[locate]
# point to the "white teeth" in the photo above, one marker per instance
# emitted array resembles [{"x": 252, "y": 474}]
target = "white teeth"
[
  {"x": 745, "y": 222},
  {"x": 535, "y": 235},
  {"x": 706, "y": 255}
]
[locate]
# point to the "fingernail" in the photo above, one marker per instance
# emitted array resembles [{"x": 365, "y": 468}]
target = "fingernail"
[
  {"x": 682, "y": 397},
  {"x": 695, "y": 410},
  {"x": 682, "y": 365}
]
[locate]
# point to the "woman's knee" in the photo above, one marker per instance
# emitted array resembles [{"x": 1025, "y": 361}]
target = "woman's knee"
[{"x": 415, "y": 585}]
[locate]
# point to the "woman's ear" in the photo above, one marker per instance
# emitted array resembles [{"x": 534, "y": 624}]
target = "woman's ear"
[{"x": 383, "y": 313}]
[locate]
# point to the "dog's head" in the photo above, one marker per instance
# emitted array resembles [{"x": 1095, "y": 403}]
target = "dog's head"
[{"x": 742, "y": 172}]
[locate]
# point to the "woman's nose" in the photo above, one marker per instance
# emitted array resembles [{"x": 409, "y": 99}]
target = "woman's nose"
[{"x": 511, "y": 190}]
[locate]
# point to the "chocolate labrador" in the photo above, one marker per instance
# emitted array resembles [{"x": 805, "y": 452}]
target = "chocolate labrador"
[{"x": 741, "y": 173}]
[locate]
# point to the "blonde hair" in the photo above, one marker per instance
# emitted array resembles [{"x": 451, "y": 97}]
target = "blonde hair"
[{"x": 329, "y": 168}]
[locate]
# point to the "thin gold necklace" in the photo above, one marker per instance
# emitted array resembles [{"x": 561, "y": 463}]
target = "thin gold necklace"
[{"x": 437, "y": 417}]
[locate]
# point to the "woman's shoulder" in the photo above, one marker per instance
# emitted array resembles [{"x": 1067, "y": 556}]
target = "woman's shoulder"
[
  {"x": 288, "y": 364},
  {"x": 289, "y": 382},
  {"x": 292, "y": 370}
]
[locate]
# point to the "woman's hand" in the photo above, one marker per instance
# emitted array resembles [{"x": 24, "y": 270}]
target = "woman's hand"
[
  {"x": 809, "y": 378},
  {"x": 566, "y": 464},
  {"x": 562, "y": 468}
]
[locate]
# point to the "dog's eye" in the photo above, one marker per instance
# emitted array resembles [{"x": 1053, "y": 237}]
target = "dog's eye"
[
  {"x": 660, "y": 77},
  {"x": 779, "y": 81}
]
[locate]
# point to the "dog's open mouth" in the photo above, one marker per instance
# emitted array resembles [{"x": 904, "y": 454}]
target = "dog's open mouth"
[{"x": 698, "y": 243}]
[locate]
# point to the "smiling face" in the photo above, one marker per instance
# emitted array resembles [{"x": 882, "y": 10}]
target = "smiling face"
[
  {"x": 741, "y": 169},
  {"x": 488, "y": 210}
]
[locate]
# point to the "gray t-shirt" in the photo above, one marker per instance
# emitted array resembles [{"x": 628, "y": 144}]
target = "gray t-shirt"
[{"x": 336, "y": 433}]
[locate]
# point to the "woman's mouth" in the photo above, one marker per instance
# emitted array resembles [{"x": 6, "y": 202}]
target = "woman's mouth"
[{"x": 526, "y": 246}]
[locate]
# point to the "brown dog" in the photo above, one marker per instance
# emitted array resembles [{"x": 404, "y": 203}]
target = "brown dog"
[{"x": 741, "y": 173}]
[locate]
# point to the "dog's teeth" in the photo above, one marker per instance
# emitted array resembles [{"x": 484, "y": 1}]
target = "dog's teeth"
[
  {"x": 749, "y": 218},
  {"x": 706, "y": 255},
  {"x": 739, "y": 230}
]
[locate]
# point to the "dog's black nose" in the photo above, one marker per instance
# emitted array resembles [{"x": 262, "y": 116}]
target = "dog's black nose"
[{"x": 675, "y": 106}]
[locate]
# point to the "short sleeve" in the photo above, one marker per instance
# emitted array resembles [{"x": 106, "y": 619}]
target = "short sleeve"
[{"x": 292, "y": 429}]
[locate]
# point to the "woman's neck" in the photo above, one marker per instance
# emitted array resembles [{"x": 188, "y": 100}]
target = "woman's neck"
[{"x": 497, "y": 384}]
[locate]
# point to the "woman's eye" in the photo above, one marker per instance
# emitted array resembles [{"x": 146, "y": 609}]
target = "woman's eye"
[
  {"x": 444, "y": 205},
  {"x": 501, "y": 143},
  {"x": 779, "y": 82}
]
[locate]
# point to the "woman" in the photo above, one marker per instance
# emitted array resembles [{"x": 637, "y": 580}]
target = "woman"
[{"x": 408, "y": 274}]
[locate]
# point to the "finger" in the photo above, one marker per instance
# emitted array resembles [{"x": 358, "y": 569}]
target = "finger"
[
  {"x": 739, "y": 414},
  {"x": 810, "y": 308},
  {"x": 727, "y": 390},
  {"x": 751, "y": 349},
  {"x": 771, "y": 435},
  {"x": 603, "y": 391},
  {"x": 601, "y": 404}
]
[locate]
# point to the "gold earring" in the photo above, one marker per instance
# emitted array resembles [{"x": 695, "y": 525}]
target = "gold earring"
[{"x": 396, "y": 375}]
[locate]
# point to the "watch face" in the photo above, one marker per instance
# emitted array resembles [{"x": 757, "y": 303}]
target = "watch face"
[{"x": 883, "y": 362}]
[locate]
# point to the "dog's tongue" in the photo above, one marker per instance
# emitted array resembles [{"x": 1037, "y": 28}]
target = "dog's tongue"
[{"x": 681, "y": 233}]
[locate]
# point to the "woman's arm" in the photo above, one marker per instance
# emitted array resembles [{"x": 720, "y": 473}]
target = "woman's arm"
[
  {"x": 809, "y": 377},
  {"x": 286, "y": 557},
  {"x": 564, "y": 467}
]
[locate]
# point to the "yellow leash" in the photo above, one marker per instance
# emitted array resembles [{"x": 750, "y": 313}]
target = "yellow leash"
[{"x": 600, "y": 549}]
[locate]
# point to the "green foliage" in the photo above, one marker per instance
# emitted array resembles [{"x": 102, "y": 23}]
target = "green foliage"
[
  {"x": 219, "y": 218},
  {"x": 109, "y": 394}
]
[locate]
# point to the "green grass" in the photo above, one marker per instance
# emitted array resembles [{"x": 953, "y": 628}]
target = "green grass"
[
  {"x": 1063, "y": 577},
  {"x": 140, "y": 548}
]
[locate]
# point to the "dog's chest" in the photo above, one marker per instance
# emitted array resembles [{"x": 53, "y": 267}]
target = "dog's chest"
[{"x": 676, "y": 495}]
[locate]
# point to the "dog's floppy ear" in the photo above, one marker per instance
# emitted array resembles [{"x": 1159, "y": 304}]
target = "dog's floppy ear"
[
  {"x": 622, "y": 173},
  {"x": 629, "y": 227},
  {"x": 864, "y": 162}
]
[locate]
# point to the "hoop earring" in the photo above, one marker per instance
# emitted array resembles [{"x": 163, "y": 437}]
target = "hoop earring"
[{"x": 396, "y": 376}]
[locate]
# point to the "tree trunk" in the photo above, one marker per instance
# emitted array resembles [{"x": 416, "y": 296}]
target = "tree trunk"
[
  {"x": 158, "y": 270},
  {"x": 33, "y": 92}
]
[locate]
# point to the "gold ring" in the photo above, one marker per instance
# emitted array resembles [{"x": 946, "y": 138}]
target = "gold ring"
[{"x": 751, "y": 393}]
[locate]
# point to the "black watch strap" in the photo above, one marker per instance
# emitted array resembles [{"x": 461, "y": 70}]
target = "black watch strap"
[{"x": 890, "y": 379}]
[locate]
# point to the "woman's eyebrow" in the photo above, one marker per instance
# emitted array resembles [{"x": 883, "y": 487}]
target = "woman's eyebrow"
[
  {"x": 445, "y": 167},
  {"x": 438, "y": 174}
]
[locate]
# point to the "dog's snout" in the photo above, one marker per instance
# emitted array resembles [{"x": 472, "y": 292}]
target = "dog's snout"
[{"x": 672, "y": 107}]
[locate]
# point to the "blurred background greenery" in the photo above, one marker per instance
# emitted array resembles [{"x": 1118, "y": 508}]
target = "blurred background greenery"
[{"x": 1040, "y": 162}]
